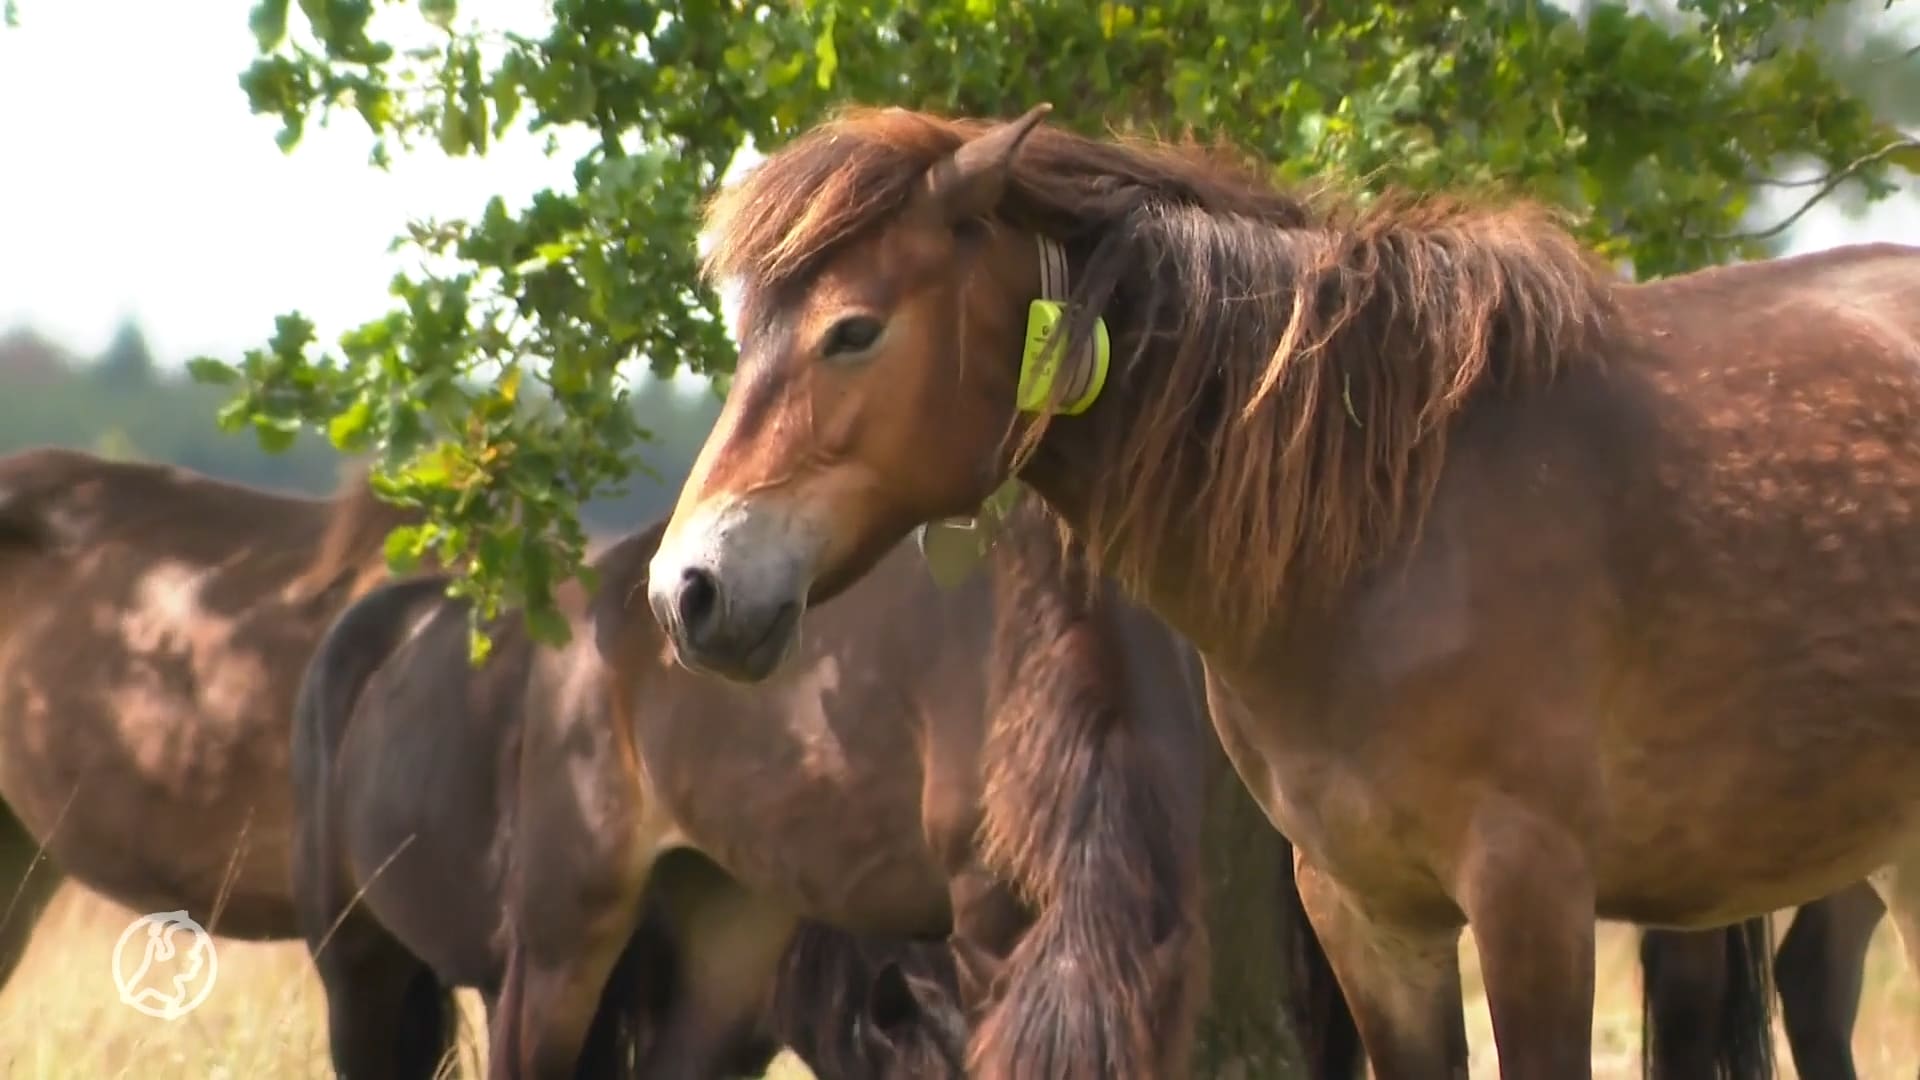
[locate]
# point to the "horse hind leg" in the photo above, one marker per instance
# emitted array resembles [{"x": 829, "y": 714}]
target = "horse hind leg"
[
  {"x": 28, "y": 881},
  {"x": 1683, "y": 975},
  {"x": 1819, "y": 971},
  {"x": 388, "y": 1017},
  {"x": 1707, "y": 1002}
]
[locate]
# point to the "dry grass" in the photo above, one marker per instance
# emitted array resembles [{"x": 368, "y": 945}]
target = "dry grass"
[{"x": 61, "y": 1019}]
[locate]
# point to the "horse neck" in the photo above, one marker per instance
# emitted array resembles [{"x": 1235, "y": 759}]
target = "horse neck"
[{"x": 1068, "y": 465}]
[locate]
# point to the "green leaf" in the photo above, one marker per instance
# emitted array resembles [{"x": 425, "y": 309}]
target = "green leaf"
[
  {"x": 348, "y": 430},
  {"x": 404, "y": 546},
  {"x": 826, "y": 53},
  {"x": 268, "y": 21},
  {"x": 274, "y": 437},
  {"x": 439, "y": 12},
  {"x": 548, "y": 626},
  {"x": 289, "y": 134},
  {"x": 453, "y": 124},
  {"x": 479, "y": 645},
  {"x": 212, "y": 371}
]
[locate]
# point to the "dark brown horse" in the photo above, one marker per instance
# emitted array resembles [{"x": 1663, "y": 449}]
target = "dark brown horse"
[
  {"x": 575, "y": 789},
  {"x": 155, "y": 624},
  {"x": 1526, "y": 595},
  {"x": 1700, "y": 1018}
]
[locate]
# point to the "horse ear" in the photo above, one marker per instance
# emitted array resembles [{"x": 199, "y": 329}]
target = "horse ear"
[{"x": 969, "y": 183}]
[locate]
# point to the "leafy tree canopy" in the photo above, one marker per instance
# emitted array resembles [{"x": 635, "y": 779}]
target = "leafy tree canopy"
[{"x": 492, "y": 389}]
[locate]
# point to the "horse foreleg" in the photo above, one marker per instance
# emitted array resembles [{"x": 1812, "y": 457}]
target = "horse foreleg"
[
  {"x": 729, "y": 945},
  {"x": 388, "y": 1017},
  {"x": 1818, "y": 970},
  {"x": 1402, "y": 986},
  {"x": 551, "y": 995},
  {"x": 1528, "y": 893}
]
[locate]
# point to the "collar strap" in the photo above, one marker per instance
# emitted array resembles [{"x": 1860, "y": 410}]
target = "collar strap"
[
  {"x": 1080, "y": 379},
  {"x": 954, "y": 547}
]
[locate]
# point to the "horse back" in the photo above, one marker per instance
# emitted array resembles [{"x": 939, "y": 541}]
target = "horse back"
[{"x": 1832, "y": 309}]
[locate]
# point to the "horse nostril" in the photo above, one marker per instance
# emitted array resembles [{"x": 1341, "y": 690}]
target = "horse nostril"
[{"x": 698, "y": 600}]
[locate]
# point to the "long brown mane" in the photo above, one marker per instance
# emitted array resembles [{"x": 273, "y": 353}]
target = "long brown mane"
[
  {"x": 1291, "y": 360},
  {"x": 1090, "y": 813}
]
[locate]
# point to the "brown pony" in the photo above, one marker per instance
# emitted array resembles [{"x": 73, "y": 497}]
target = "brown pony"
[
  {"x": 156, "y": 624},
  {"x": 1526, "y": 595},
  {"x": 1700, "y": 1017},
  {"x": 576, "y": 789}
]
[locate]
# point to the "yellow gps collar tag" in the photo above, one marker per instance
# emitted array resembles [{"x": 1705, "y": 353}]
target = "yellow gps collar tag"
[{"x": 1040, "y": 366}]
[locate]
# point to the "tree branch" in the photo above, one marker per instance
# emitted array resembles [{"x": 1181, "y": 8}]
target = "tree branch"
[
  {"x": 1897, "y": 57},
  {"x": 1833, "y": 180}
]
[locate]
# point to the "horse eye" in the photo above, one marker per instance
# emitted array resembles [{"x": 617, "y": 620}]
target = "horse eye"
[{"x": 853, "y": 334}]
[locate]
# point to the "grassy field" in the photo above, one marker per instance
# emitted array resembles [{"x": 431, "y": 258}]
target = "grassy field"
[{"x": 61, "y": 1018}]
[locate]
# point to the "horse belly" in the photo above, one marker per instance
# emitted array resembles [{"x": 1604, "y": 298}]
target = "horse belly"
[
  {"x": 1771, "y": 808},
  {"x": 142, "y": 796}
]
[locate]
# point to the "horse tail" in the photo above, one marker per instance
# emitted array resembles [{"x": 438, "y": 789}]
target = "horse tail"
[
  {"x": 1092, "y": 813},
  {"x": 1742, "y": 1023},
  {"x": 1746, "y": 1022},
  {"x": 824, "y": 998},
  {"x": 1323, "y": 1025}
]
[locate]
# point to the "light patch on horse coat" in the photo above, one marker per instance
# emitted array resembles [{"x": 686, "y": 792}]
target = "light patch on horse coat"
[
  {"x": 166, "y": 604},
  {"x": 822, "y": 755},
  {"x": 168, "y": 617}
]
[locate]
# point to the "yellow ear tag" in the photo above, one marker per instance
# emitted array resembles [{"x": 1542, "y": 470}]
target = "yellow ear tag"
[{"x": 1040, "y": 364}]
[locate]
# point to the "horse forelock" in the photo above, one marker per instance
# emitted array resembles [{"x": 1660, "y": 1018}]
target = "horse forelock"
[{"x": 1291, "y": 360}]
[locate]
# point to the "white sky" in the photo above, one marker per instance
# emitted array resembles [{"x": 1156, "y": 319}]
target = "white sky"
[{"x": 136, "y": 182}]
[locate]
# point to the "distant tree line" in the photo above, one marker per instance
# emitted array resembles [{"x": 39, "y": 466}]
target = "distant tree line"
[{"x": 123, "y": 404}]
